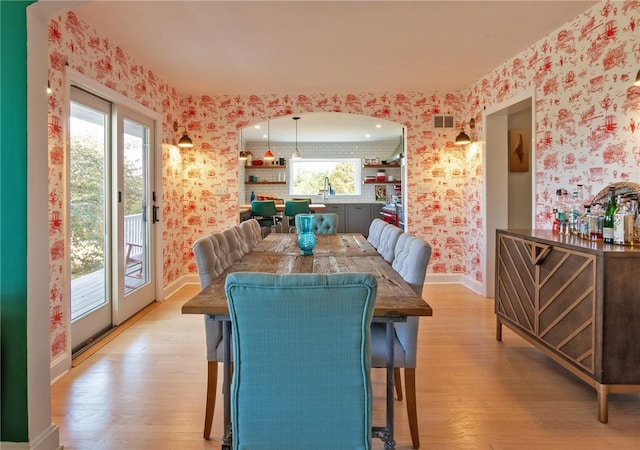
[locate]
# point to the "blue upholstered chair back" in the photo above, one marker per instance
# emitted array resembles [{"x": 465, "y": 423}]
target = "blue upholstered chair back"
[
  {"x": 301, "y": 346},
  {"x": 375, "y": 229},
  {"x": 325, "y": 223},
  {"x": 388, "y": 238}
]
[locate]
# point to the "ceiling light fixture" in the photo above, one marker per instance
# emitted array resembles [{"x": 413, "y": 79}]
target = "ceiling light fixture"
[
  {"x": 637, "y": 83},
  {"x": 185, "y": 141},
  {"x": 296, "y": 154},
  {"x": 463, "y": 138},
  {"x": 268, "y": 156},
  {"x": 50, "y": 91}
]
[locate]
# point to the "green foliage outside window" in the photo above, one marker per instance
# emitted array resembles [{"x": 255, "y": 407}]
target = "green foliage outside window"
[
  {"x": 309, "y": 176},
  {"x": 87, "y": 194}
]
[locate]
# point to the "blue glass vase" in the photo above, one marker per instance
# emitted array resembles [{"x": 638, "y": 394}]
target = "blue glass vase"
[{"x": 306, "y": 238}]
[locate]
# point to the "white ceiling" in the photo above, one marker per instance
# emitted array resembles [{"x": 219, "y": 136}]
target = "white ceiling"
[{"x": 265, "y": 47}]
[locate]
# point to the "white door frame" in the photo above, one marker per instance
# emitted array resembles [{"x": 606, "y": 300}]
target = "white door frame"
[{"x": 495, "y": 178}]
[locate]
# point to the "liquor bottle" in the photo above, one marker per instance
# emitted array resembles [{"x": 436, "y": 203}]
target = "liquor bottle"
[
  {"x": 595, "y": 222},
  {"x": 629, "y": 220},
  {"x": 607, "y": 224},
  {"x": 562, "y": 209},
  {"x": 574, "y": 218},
  {"x": 618, "y": 222},
  {"x": 556, "y": 205},
  {"x": 584, "y": 222}
]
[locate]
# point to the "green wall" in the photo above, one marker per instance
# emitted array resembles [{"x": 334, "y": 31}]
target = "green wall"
[{"x": 13, "y": 222}]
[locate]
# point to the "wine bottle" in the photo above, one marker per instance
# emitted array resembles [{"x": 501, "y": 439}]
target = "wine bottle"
[{"x": 607, "y": 224}]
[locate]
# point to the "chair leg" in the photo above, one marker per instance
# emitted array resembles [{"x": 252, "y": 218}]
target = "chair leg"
[
  {"x": 412, "y": 410},
  {"x": 212, "y": 384},
  {"x": 397, "y": 380}
]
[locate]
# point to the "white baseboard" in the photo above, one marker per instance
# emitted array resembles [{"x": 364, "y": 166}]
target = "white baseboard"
[
  {"x": 48, "y": 440},
  {"x": 445, "y": 278},
  {"x": 59, "y": 367},
  {"x": 171, "y": 288},
  {"x": 472, "y": 284}
]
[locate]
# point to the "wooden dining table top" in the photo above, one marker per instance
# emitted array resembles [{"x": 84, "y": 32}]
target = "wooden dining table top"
[{"x": 341, "y": 253}]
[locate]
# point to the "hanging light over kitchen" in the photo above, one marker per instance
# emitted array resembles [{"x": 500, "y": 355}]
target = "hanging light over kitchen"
[
  {"x": 242, "y": 156},
  {"x": 296, "y": 154},
  {"x": 268, "y": 156},
  {"x": 637, "y": 83}
]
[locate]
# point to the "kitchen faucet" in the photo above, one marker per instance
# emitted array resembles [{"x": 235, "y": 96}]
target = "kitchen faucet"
[{"x": 326, "y": 191}]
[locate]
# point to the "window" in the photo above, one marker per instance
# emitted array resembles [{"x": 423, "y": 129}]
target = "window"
[{"x": 311, "y": 176}]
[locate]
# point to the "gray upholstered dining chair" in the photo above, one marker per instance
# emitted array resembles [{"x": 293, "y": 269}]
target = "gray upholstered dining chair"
[
  {"x": 388, "y": 238},
  {"x": 214, "y": 254},
  {"x": 316, "y": 393},
  {"x": 251, "y": 234},
  {"x": 375, "y": 229},
  {"x": 410, "y": 260},
  {"x": 206, "y": 251},
  {"x": 323, "y": 223}
]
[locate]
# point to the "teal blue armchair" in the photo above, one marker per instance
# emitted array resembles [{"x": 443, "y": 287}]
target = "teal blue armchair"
[{"x": 301, "y": 351}]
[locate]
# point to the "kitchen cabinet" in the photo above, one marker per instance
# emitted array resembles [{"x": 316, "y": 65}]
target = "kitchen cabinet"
[
  {"x": 575, "y": 300},
  {"x": 339, "y": 210},
  {"x": 358, "y": 218},
  {"x": 354, "y": 217},
  {"x": 376, "y": 210}
]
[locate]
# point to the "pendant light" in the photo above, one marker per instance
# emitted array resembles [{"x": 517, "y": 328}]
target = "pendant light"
[
  {"x": 637, "y": 83},
  {"x": 296, "y": 154},
  {"x": 268, "y": 156},
  {"x": 185, "y": 141},
  {"x": 242, "y": 156}
]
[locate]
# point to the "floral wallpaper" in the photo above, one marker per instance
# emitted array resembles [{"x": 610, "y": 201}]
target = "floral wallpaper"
[
  {"x": 213, "y": 124},
  {"x": 586, "y": 113},
  {"x": 74, "y": 44},
  {"x": 587, "y": 110}
]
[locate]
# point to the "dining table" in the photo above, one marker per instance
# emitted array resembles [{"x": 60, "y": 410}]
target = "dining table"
[{"x": 278, "y": 253}]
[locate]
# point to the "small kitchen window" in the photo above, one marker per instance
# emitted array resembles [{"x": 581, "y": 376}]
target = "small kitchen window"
[{"x": 314, "y": 176}]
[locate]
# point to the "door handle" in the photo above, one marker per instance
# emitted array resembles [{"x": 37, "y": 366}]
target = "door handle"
[{"x": 155, "y": 214}]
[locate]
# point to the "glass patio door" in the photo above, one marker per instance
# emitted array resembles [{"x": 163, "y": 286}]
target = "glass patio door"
[
  {"x": 135, "y": 216},
  {"x": 89, "y": 220},
  {"x": 110, "y": 215}
]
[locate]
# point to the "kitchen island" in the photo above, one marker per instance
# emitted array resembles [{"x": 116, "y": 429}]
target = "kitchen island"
[{"x": 576, "y": 300}]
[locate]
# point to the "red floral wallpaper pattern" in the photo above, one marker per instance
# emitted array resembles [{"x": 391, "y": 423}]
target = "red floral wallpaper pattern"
[{"x": 587, "y": 115}]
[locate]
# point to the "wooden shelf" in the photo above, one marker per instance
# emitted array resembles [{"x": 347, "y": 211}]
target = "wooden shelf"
[
  {"x": 266, "y": 167},
  {"x": 381, "y": 166},
  {"x": 265, "y": 182},
  {"x": 382, "y": 182}
]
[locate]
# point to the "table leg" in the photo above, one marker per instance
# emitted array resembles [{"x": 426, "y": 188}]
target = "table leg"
[{"x": 226, "y": 383}]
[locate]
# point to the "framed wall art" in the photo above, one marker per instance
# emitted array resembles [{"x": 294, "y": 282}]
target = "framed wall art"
[{"x": 519, "y": 143}]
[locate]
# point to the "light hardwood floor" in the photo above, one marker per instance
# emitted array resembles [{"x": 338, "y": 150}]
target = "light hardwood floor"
[{"x": 145, "y": 389}]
